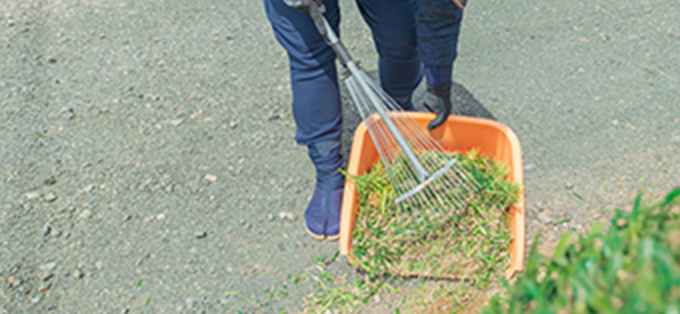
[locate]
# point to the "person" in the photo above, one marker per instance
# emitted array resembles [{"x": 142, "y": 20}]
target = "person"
[{"x": 413, "y": 38}]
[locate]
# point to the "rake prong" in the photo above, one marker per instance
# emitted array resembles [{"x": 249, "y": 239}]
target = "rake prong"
[
  {"x": 414, "y": 193},
  {"x": 418, "y": 167}
]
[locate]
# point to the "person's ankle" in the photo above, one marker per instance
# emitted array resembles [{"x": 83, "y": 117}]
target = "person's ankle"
[{"x": 323, "y": 209}]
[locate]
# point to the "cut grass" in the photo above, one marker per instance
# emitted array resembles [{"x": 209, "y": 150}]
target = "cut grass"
[{"x": 470, "y": 243}]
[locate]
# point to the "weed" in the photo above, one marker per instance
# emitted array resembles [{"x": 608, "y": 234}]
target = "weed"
[{"x": 630, "y": 266}]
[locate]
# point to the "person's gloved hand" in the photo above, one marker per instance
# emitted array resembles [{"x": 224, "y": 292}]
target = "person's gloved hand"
[
  {"x": 438, "y": 100},
  {"x": 304, "y": 5}
]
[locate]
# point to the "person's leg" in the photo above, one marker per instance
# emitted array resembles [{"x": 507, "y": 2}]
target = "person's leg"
[
  {"x": 438, "y": 28},
  {"x": 394, "y": 32},
  {"x": 316, "y": 96},
  {"x": 327, "y": 198},
  {"x": 316, "y": 107}
]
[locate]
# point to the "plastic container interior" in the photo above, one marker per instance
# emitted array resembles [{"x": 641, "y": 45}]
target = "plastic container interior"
[{"x": 458, "y": 134}]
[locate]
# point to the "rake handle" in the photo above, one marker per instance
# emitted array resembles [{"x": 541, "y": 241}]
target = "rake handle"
[
  {"x": 349, "y": 64},
  {"x": 329, "y": 36}
]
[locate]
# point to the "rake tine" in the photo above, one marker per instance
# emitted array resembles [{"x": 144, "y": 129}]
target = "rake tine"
[{"x": 409, "y": 153}]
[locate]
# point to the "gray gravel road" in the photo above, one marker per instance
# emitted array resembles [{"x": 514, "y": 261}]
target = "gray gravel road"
[{"x": 148, "y": 160}]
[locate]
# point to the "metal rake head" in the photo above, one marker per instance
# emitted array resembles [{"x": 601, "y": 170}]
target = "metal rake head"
[{"x": 429, "y": 183}]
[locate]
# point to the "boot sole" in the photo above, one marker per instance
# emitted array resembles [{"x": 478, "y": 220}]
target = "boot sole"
[
  {"x": 333, "y": 238},
  {"x": 315, "y": 236}
]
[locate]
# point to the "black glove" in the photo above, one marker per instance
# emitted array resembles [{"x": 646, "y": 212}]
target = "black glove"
[
  {"x": 304, "y": 5},
  {"x": 438, "y": 100}
]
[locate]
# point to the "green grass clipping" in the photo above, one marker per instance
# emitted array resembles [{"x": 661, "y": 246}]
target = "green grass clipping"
[{"x": 471, "y": 242}]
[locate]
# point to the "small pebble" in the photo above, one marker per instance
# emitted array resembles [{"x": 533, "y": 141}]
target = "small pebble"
[
  {"x": 200, "y": 234},
  {"x": 50, "y": 197},
  {"x": 544, "y": 219},
  {"x": 67, "y": 114},
  {"x": 233, "y": 124},
  {"x": 47, "y": 229},
  {"x": 50, "y": 181},
  {"x": 569, "y": 186},
  {"x": 99, "y": 265},
  {"x": 210, "y": 178},
  {"x": 89, "y": 188},
  {"x": 242, "y": 222},
  {"x": 288, "y": 215},
  {"x": 44, "y": 286},
  {"x": 48, "y": 267},
  {"x": 621, "y": 223},
  {"x": 15, "y": 282},
  {"x": 540, "y": 207},
  {"x": 32, "y": 195},
  {"x": 270, "y": 216},
  {"x": 189, "y": 303},
  {"x": 78, "y": 274},
  {"x": 85, "y": 214},
  {"x": 234, "y": 171}
]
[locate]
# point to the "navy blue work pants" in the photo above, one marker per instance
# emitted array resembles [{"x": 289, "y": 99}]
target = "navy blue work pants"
[{"x": 316, "y": 97}]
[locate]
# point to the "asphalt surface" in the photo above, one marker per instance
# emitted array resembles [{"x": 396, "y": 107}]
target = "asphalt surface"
[{"x": 149, "y": 165}]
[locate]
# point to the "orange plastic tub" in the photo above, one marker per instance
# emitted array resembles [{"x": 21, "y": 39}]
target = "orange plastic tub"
[{"x": 458, "y": 134}]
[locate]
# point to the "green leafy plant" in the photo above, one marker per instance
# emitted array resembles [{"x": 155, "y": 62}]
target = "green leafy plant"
[{"x": 630, "y": 266}]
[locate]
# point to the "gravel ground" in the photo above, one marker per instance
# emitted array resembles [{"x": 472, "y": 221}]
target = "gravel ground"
[{"x": 148, "y": 160}]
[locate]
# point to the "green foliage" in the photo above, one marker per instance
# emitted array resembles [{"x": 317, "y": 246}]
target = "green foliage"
[
  {"x": 632, "y": 267},
  {"x": 340, "y": 295}
]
